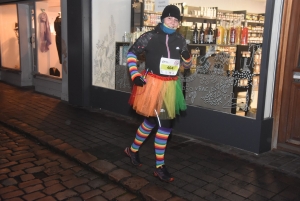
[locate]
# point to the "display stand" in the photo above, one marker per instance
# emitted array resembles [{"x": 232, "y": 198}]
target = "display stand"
[{"x": 122, "y": 76}]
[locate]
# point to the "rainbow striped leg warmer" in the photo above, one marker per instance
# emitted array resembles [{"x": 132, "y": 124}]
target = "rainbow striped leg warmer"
[
  {"x": 160, "y": 144},
  {"x": 142, "y": 133}
]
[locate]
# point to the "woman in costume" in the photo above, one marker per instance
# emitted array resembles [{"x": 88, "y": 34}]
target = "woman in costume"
[{"x": 157, "y": 92}]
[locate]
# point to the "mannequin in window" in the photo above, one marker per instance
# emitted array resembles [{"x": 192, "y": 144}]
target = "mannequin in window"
[{"x": 57, "y": 28}]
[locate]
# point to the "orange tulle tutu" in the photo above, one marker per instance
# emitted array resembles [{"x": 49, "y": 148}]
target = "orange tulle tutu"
[{"x": 160, "y": 96}]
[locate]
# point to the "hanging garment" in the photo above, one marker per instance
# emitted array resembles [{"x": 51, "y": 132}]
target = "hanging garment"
[
  {"x": 57, "y": 28},
  {"x": 45, "y": 34}
]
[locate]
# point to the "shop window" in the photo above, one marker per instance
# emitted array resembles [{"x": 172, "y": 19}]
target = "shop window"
[
  {"x": 48, "y": 38},
  {"x": 226, "y": 69},
  {"x": 225, "y": 78},
  {"x": 9, "y": 37}
]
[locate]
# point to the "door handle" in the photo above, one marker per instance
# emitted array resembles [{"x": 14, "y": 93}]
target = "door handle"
[{"x": 296, "y": 76}]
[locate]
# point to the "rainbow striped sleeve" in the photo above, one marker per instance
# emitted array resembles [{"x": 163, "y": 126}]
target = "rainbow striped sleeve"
[
  {"x": 131, "y": 62},
  {"x": 187, "y": 63}
]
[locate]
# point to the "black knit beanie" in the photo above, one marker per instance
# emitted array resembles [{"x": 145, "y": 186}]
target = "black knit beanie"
[{"x": 172, "y": 11}]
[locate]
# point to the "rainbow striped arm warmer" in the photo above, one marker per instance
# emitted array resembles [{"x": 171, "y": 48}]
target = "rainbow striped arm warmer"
[
  {"x": 187, "y": 63},
  {"x": 131, "y": 62}
]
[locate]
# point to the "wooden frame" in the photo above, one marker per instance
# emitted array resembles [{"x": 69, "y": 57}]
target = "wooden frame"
[{"x": 290, "y": 22}]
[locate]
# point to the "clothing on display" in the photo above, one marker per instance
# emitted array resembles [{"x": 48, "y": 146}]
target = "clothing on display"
[
  {"x": 45, "y": 34},
  {"x": 54, "y": 72},
  {"x": 57, "y": 28}
]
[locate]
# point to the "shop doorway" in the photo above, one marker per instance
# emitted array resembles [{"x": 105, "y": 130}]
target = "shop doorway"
[{"x": 289, "y": 65}]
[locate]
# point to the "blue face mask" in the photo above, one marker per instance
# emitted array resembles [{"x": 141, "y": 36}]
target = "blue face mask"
[{"x": 166, "y": 29}]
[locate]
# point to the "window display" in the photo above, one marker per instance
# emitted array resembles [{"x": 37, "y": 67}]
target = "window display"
[
  {"x": 9, "y": 37},
  {"x": 48, "y": 38},
  {"x": 45, "y": 35},
  {"x": 226, "y": 46},
  {"x": 57, "y": 27},
  {"x": 225, "y": 41}
]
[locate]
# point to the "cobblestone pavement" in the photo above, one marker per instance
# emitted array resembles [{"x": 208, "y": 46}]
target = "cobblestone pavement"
[
  {"x": 29, "y": 171},
  {"x": 203, "y": 170}
]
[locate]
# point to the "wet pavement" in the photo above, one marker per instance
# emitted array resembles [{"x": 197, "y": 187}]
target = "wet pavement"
[
  {"x": 96, "y": 140},
  {"x": 29, "y": 171}
]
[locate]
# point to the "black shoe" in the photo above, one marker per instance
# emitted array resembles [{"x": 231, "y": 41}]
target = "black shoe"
[
  {"x": 134, "y": 156},
  {"x": 163, "y": 174}
]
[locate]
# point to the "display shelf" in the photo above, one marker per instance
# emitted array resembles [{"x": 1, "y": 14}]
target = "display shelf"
[
  {"x": 238, "y": 68},
  {"x": 255, "y": 41},
  {"x": 211, "y": 45},
  {"x": 199, "y": 17},
  {"x": 152, "y": 12},
  {"x": 255, "y": 31},
  {"x": 248, "y": 21},
  {"x": 229, "y": 19},
  {"x": 254, "y": 21},
  {"x": 150, "y": 24}
]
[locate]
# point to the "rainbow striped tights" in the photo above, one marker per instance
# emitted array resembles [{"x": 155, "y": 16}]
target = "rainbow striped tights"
[{"x": 160, "y": 141}]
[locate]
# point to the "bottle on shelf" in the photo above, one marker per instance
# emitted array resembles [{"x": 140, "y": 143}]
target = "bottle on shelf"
[
  {"x": 215, "y": 30},
  {"x": 238, "y": 32},
  {"x": 146, "y": 6},
  {"x": 227, "y": 42},
  {"x": 244, "y": 35},
  {"x": 232, "y": 33},
  {"x": 206, "y": 28},
  {"x": 201, "y": 11},
  {"x": 185, "y": 10},
  {"x": 176, "y": 4},
  {"x": 149, "y": 5},
  {"x": 152, "y": 6},
  {"x": 220, "y": 34},
  {"x": 260, "y": 38},
  {"x": 209, "y": 12},
  {"x": 210, "y": 36},
  {"x": 201, "y": 35},
  {"x": 214, "y": 12},
  {"x": 195, "y": 35},
  {"x": 205, "y": 11}
]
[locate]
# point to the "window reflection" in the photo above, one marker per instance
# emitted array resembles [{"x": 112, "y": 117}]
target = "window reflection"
[
  {"x": 225, "y": 73},
  {"x": 225, "y": 79}
]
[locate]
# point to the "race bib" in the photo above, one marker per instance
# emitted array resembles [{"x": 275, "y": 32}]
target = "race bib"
[{"x": 169, "y": 66}]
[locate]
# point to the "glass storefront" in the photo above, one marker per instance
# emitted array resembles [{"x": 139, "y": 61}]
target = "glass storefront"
[
  {"x": 44, "y": 27},
  {"x": 9, "y": 37},
  {"x": 33, "y": 42},
  {"x": 225, "y": 75},
  {"x": 48, "y": 38}
]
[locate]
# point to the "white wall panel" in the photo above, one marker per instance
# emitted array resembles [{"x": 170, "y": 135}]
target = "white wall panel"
[{"x": 110, "y": 19}]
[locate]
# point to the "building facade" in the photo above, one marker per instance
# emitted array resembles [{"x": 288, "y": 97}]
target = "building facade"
[{"x": 94, "y": 74}]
